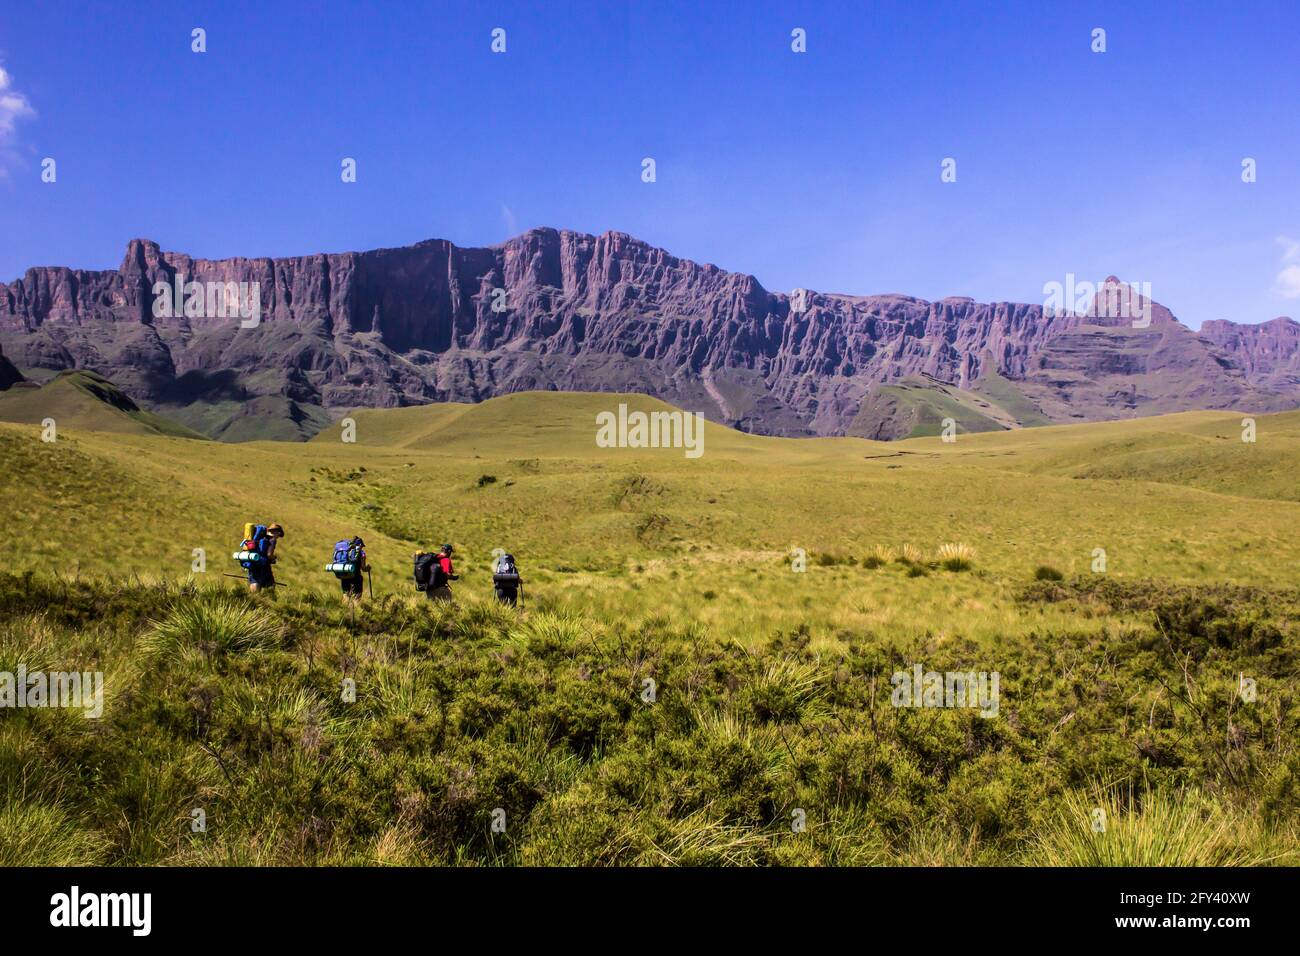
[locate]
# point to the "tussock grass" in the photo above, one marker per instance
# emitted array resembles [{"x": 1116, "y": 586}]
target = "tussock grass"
[
  {"x": 1174, "y": 828},
  {"x": 560, "y": 631},
  {"x": 785, "y": 689},
  {"x": 703, "y": 839},
  {"x": 934, "y": 845},
  {"x": 910, "y": 554},
  {"x": 29, "y": 640},
  {"x": 955, "y": 557},
  {"x": 878, "y": 557},
  {"x": 217, "y": 623},
  {"x": 35, "y": 834}
]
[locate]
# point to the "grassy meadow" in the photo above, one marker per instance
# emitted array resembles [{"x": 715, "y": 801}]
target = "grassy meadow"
[{"x": 769, "y": 589}]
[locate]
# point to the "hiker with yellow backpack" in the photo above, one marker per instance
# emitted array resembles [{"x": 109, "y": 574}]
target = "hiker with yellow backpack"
[{"x": 256, "y": 554}]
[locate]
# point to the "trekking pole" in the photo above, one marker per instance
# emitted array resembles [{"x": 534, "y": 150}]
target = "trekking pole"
[{"x": 372, "y": 584}]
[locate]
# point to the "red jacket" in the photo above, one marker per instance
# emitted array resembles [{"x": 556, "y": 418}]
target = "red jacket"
[{"x": 444, "y": 561}]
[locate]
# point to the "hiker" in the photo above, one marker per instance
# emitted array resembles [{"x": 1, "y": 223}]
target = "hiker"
[
  {"x": 257, "y": 553},
  {"x": 433, "y": 572},
  {"x": 349, "y": 565},
  {"x": 506, "y": 580}
]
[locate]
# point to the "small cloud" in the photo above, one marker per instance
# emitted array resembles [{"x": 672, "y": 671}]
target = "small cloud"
[
  {"x": 508, "y": 217},
  {"x": 1287, "y": 283},
  {"x": 13, "y": 107}
]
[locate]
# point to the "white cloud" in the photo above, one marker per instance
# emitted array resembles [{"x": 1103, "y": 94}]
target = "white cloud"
[
  {"x": 508, "y": 218},
  {"x": 13, "y": 107},
  {"x": 1287, "y": 283}
]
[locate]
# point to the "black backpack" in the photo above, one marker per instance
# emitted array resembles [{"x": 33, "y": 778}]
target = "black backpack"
[
  {"x": 506, "y": 573},
  {"x": 428, "y": 571}
]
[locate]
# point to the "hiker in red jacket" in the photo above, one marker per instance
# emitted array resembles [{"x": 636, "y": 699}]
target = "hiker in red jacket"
[{"x": 441, "y": 591}]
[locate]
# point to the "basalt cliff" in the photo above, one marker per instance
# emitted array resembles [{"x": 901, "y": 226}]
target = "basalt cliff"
[{"x": 552, "y": 309}]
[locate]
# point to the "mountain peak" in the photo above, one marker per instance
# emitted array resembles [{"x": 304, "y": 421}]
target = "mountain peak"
[{"x": 141, "y": 255}]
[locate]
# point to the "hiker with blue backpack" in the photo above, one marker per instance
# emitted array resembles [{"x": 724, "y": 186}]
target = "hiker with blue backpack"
[
  {"x": 348, "y": 566},
  {"x": 256, "y": 554}
]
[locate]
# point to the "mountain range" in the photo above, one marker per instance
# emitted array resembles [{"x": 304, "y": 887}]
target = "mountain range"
[{"x": 559, "y": 310}]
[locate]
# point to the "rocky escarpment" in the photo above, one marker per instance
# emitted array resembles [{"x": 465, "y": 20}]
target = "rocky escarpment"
[
  {"x": 9, "y": 375},
  {"x": 562, "y": 310},
  {"x": 1268, "y": 353}
]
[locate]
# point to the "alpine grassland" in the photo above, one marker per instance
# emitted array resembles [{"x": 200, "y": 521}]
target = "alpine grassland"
[{"x": 710, "y": 659}]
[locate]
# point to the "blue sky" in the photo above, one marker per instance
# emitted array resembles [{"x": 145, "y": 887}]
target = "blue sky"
[{"x": 819, "y": 170}]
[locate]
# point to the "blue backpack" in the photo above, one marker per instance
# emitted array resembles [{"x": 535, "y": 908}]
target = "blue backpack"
[
  {"x": 252, "y": 551},
  {"x": 349, "y": 555}
]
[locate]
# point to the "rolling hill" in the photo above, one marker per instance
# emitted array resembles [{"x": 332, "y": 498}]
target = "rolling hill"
[
  {"x": 917, "y": 407},
  {"x": 1179, "y": 497},
  {"x": 82, "y": 400}
]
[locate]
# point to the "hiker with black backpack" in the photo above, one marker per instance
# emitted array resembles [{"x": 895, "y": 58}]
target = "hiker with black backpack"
[
  {"x": 506, "y": 581},
  {"x": 349, "y": 565},
  {"x": 256, "y": 554},
  {"x": 434, "y": 572}
]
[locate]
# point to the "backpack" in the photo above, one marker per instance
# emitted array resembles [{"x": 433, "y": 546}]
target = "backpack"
[
  {"x": 428, "y": 571},
  {"x": 506, "y": 573},
  {"x": 252, "y": 550},
  {"x": 349, "y": 555}
]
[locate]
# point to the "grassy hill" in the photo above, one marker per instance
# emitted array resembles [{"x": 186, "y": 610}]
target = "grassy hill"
[
  {"x": 917, "y": 407},
  {"x": 1202, "y": 450},
  {"x": 264, "y": 418},
  {"x": 82, "y": 400},
  {"x": 1004, "y": 394},
  {"x": 774, "y": 675}
]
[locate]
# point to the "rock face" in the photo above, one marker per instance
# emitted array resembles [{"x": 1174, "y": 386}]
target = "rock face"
[
  {"x": 8, "y": 374},
  {"x": 562, "y": 310},
  {"x": 1269, "y": 353}
]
